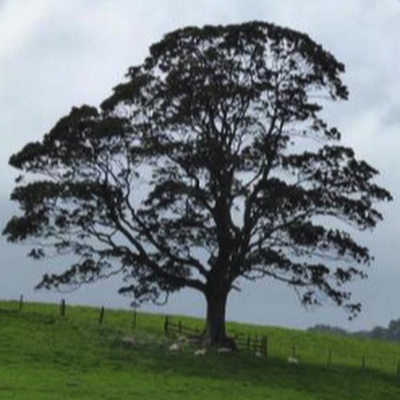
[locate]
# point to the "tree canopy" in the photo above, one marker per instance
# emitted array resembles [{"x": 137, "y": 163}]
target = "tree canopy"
[{"x": 211, "y": 163}]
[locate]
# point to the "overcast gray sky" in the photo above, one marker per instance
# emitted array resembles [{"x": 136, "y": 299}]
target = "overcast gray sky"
[{"x": 55, "y": 54}]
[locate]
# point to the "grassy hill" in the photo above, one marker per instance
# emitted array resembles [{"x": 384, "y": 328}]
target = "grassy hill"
[{"x": 43, "y": 356}]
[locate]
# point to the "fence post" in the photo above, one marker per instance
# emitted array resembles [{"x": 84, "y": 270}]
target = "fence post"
[
  {"x": 363, "y": 362},
  {"x": 266, "y": 347},
  {"x": 294, "y": 352},
  {"x": 180, "y": 327},
  {"x": 262, "y": 347},
  {"x": 248, "y": 342},
  {"x": 134, "y": 319},
  {"x": 62, "y": 308},
  {"x": 329, "y": 358},
  {"x": 256, "y": 344},
  {"x": 166, "y": 323},
  {"x": 101, "y": 317},
  {"x": 21, "y": 302},
  {"x": 398, "y": 372}
]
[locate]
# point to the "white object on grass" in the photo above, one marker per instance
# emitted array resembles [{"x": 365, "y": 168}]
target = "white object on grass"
[{"x": 201, "y": 352}]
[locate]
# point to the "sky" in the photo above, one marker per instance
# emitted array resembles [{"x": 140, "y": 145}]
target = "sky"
[{"x": 56, "y": 54}]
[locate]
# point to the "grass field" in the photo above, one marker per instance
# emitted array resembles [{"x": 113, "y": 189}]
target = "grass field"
[{"x": 45, "y": 357}]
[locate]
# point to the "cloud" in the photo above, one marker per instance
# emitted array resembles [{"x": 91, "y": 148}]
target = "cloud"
[
  {"x": 18, "y": 20},
  {"x": 56, "y": 54},
  {"x": 392, "y": 116}
]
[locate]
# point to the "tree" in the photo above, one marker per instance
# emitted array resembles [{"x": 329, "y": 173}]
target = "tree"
[{"x": 210, "y": 164}]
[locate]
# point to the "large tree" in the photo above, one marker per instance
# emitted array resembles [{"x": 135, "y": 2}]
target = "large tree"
[{"x": 210, "y": 164}]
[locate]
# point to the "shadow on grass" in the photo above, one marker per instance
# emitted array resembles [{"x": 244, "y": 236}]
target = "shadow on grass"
[{"x": 242, "y": 369}]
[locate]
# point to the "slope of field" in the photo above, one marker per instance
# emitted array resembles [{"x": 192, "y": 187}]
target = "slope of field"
[{"x": 43, "y": 356}]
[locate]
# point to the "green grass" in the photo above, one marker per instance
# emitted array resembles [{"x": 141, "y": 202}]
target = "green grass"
[{"x": 44, "y": 357}]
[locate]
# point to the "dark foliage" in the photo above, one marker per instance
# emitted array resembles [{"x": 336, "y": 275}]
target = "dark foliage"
[{"x": 391, "y": 333}]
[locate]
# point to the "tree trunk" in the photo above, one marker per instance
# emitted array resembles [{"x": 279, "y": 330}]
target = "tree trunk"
[{"x": 215, "y": 332}]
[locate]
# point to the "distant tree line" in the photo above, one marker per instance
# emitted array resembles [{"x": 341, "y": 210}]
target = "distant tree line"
[{"x": 392, "y": 332}]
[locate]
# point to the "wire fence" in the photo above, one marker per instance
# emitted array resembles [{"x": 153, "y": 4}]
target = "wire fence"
[
  {"x": 248, "y": 343},
  {"x": 304, "y": 353},
  {"x": 261, "y": 345}
]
